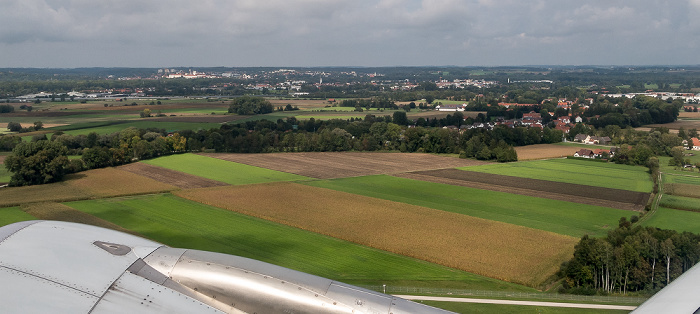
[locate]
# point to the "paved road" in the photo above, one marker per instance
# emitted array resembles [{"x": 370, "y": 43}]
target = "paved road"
[{"x": 512, "y": 302}]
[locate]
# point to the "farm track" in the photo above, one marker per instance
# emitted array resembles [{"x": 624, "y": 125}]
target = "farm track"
[
  {"x": 179, "y": 179},
  {"x": 584, "y": 194},
  {"x": 331, "y": 165}
]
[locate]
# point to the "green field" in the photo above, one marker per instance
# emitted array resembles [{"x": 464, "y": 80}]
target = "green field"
[
  {"x": 607, "y": 175},
  {"x": 10, "y": 215},
  {"x": 674, "y": 219},
  {"x": 683, "y": 179},
  {"x": 181, "y": 223},
  {"x": 221, "y": 170},
  {"x": 168, "y": 126},
  {"x": 680, "y": 202},
  {"x": 4, "y": 174},
  {"x": 665, "y": 168},
  {"x": 539, "y": 213},
  {"x": 513, "y": 309}
]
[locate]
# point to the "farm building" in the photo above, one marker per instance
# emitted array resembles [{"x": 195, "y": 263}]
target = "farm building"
[
  {"x": 696, "y": 143},
  {"x": 451, "y": 107},
  {"x": 584, "y": 153}
]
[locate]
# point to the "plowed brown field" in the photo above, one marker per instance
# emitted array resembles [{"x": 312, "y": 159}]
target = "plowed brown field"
[
  {"x": 490, "y": 248},
  {"x": 346, "y": 164},
  {"x": 176, "y": 178},
  {"x": 544, "y": 151},
  {"x": 584, "y": 194},
  {"x": 680, "y": 189}
]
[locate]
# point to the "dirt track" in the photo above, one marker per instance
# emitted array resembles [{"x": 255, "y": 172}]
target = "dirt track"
[
  {"x": 583, "y": 194},
  {"x": 346, "y": 164},
  {"x": 172, "y": 177}
]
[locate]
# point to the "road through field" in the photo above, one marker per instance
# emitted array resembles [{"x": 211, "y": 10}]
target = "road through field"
[{"x": 513, "y": 302}]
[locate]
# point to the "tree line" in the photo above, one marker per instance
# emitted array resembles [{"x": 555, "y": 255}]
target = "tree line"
[{"x": 629, "y": 259}]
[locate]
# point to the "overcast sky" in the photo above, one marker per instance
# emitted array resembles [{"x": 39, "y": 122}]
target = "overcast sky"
[{"x": 171, "y": 33}]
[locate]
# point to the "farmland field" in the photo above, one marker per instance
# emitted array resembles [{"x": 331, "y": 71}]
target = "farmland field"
[
  {"x": 179, "y": 179},
  {"x": 680, "y": 202},
  {"x": 168, "y": 126},
  {"x": 545, "y": 214},
  {"x": 10, "y": 215},
  {"x": 679, "y": 220},
  {"x": 543, "y": 151},
  {"x": 514, "y": 309},
  {"x": 221, "y": 170},
  {"x": 60, "y": 212},
  {"x": 607, "y": 175},
  {"x": 680, "y": 189},
  {"x": 472, "y": 244},
  {"x": 584, "y": 194},
  {"x": 182, "y": 223},
  {"x": 104, "y": 182},
  {"x": 346, "y": 164}
]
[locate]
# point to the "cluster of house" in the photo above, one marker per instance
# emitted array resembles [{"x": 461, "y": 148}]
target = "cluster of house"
[
  {"x": 588, "y": 139},
  {"x": 693, "y": 144},
  {"x": 596, "y": 153}
]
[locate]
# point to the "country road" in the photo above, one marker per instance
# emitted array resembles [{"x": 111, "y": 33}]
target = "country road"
[{"x": 513, "y": 302}]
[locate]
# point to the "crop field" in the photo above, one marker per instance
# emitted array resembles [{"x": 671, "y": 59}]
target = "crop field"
[
  {"x": 346, "y": 164},
  {"x": 106, "y": 182},
  {"x": 468, "y": 243},
  {"x": 181, "y": 223},
  {"x": 10, "y": 215},
  {"x": 168, "y": 126},
  {"x": 221, "y": 170},
  {"x": 681, "y": 178},
  {"x": 179, "y": 179},
  {"x": 680, "y": 189},
  {"x": 607, "y": 175},
  {"x": 4, "y": 174},
  {"x": 561, "y": 217},
  {"x": 543, "y": 151},
  {"x": 674, "y": 219},
  {"x": 577, "y": 193},
  {"x": 680, "y": 202}
]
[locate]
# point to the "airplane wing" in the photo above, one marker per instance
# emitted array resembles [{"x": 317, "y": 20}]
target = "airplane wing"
[
  {"x": 682, "y": 295},
  {"x": 61, "y": 267}
]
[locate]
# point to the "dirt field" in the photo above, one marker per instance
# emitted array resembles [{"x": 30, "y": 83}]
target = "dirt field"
[
  {"x": 60, "y": 212},
  {"x": 539, "y": 188},
  {"x": 179, "y": 179},
  {"x": 686, "y": 124},
  {"x": 472, "y": 244},
  {"x": 346, "y": 164},
  {"x": 689, "y": 115},
  {"x": 2, "y": 159},
  {"x": 544, "y": 151}
]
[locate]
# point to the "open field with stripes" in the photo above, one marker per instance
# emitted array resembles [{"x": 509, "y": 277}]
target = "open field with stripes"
[{"x": 346, "y": 216}]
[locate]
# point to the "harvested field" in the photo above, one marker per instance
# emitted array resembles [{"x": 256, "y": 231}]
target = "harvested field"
[
  {"x": 544, "y": 151},
  {"x": 199, "y": 118},
  {"x": 689, "y": 115},
  {"x": 90, "y": 184},
  {"x": 472, "y": 244},
  {"x": 60, "y": 212},
  {"x": 109, "y": 182},
  {"x": 680, "y": 189},
  {"x": 2, "y": 159},
  {"x": 346, "y": 164},
  {"x": 577, "y": 193},
  {"x": 179, "y": 179},
  {"x": 686, "y": 124}
]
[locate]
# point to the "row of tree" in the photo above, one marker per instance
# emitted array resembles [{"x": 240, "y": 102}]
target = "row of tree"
[{"x": 630, "y": 259}]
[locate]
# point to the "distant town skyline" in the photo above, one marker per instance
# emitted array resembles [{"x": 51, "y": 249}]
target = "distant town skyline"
[{"x": 316, "y": 33}]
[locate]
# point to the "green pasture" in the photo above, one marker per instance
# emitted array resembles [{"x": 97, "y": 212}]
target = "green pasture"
[
  {"x": 607, "y": 175},
  {"x": 182, "y": 223},
  {"x": 665, "y": 168},
  {"x": 168, "y": 126},
  {"x": 680, "y": 202},
  {"x": 221, "y": 170},
  {"x": 674, "y": 219},
  {"x": 4, "y": 174},
  {"x": 458, "y": 307},
  {"x": 539, "y": 213},
  {"x": 683, "y": 179},
  {"x": 10, "y": 215}
]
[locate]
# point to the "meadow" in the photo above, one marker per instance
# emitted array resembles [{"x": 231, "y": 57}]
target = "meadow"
[
  {"x": 4, "y": 174},
  {"x": 481, "y": 246},
  {"x": 607, "y": 175},
  {"x": 181, "y": 223},
  {"x": 514, "y": 309},
  {"x": 560, "y": 217},
  {"x": 674, "y": 219},
  {"x": 10, "y": 215},
  {"x": 221, "y": 170}
]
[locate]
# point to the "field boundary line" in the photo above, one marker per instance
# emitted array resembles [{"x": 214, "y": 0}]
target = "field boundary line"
[
  {"x": 505, "y": 294},
  {"x": 657, "y": 200},
  {"x": 517, "y": 302}
]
